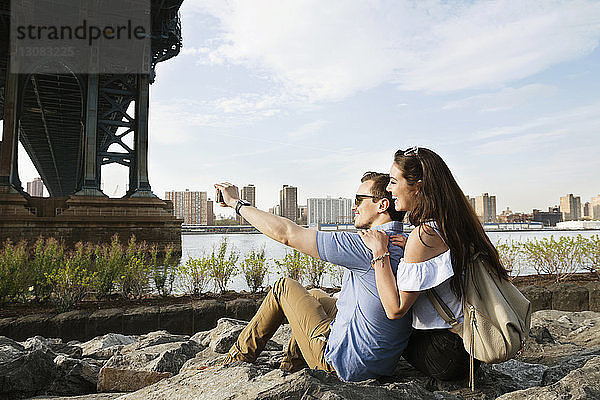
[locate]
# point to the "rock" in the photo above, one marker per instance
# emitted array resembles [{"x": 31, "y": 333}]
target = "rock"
[
  {"x": 541, "y": 335},
  {"x": 594, "y": 293},
  {"x": 221, "y": 338},
  {"x": 137, "y": 321},
  {"x": 569, "y": 297},
  {"x": 126, "y": 380},
  {"x": 540, "y": 297},
  {"x": 165, "y": 357},
  {"x": 206, "y": 314},
  {"x": 5, "y": 325},
  {"x": 243, "y": 309},
  {"x": 94, "y": 396},
  {"x": 556, "y": 372},
  {"x": 72, "y": 325},
  {"x": 106, "y": 346},
  {"x": 523, "y": 375},
  {"x": 177, "y": 318},
  {"x": 105, "y": 321},
  {"x": 24, "y": 373},
  {"x": 282, "y": 336},
  {"x": 582, "y": 383},
  {"x": 76, "y": 376},
  {"x": 247, "y": 381},
  {"x": 153, "y": 339},
  {"x": 31, "y": 325}
]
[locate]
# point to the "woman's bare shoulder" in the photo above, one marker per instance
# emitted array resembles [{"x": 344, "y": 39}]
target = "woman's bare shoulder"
[{"x": 423, "y": 244}]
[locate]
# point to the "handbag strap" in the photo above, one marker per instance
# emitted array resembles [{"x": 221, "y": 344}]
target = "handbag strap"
[{"x": 441, "y": 307}]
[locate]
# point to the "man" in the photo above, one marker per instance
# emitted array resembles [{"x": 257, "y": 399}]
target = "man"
[{"x": 352, "y": 337}]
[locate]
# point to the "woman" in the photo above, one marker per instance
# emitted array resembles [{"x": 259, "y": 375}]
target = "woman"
[{"x": 447, "y": 233}]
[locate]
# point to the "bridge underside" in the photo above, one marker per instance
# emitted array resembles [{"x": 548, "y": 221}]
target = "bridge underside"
[{"x": 71, "y": 125}]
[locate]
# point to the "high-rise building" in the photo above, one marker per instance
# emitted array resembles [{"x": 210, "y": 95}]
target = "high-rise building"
[
  {"x": 570, "y": 207},
  {"x": 247, "y": 193},
  {"x": 36, "y": 187},
  {"x": 471, "y": 201},
  {"x": 586, "y": 210},
  {"x": 302, "y": 214},
  {"x": 190, "y": 206},
  {"x": 595, "y": 208},
  {"x": 485, "y": 208},
  {"x": 210, "y": 212},
  {"x": 329, "y": 211},
  {"x": 288, "y": 202}
]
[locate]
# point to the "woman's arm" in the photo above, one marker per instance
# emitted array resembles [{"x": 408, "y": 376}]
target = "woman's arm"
[{"x": 395, "y": 303}]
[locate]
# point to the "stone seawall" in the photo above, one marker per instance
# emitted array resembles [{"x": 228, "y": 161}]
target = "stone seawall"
[{"x": 202, "y": 315}]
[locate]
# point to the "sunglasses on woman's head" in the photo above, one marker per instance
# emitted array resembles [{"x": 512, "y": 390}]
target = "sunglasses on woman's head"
[
  {"x": 413, "y": 151},
  {"x": 360, "y": 197}
]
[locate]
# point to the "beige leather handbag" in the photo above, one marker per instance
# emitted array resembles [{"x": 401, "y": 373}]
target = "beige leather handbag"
[{"x": 497, "y": 316}]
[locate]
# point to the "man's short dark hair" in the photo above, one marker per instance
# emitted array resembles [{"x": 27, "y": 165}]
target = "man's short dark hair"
[{"x": 380, "y": 182}]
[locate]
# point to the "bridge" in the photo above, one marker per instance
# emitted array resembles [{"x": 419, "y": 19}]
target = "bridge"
[{"x": 73, "y": 124}]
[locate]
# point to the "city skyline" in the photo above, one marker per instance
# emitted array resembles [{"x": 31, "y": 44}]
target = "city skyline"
[{"x": 476, "y": 82}]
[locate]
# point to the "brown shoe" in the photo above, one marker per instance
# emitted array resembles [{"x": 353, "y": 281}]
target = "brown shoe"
[
  {"x": 292, "y": 364},
  {"x": 233, "y": 356}
]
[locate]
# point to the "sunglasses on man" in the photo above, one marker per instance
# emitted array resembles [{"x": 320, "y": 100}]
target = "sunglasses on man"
[{"x": 360, "y": 197}]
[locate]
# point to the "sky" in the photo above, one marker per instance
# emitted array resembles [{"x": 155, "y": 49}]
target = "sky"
[{"x": 312, "y": 94}]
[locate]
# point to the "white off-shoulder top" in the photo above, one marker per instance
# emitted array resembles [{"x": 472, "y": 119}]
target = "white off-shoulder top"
[{"x": 433, "y": 273}]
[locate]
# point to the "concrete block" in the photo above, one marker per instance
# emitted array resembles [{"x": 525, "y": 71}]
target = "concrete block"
[
  {"x": 539, "y": 296},
  {"x": 569, "y": 297}
]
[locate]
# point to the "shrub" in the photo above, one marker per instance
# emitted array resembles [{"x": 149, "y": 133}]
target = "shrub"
[
  {"x": 194, "y": 275},
  {"x": 163, "y": 270},
  {"x": 510, "y": 256},
  {"x": 223, "y": 266},
  {"x": 337, "y": 275},
  {"x": 13, "y": 272},
  {"x": 109, "y": 265},
  {"x": 134, "y": 277},
  {"x": 70, "y": 282},
  {"x": 315, "y": 270},
  {"x": 560, "y": 258},
  {"x": 591, "y": 254},
  {"x": 292, "y": 265},
  {"x": 48, "y": 256},
  {"x": 255, "y": 268}
]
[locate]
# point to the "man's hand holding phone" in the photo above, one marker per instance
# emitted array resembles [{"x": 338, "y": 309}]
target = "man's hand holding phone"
[{"x": 227, "y": 194}]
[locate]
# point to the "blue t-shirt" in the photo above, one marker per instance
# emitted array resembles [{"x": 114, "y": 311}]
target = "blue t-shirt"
[{"x": 363, "y": 342}]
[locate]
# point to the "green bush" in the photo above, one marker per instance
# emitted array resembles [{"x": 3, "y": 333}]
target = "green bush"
[
  {"x": 511, "y": 253},
  {"x": 163, "y": 270},
  {"x": 222, "y": 265},
  {"x": 337, "y": 275},
  {"x": 194, "y": 275},
  {"x": 559, "y": 258},
  {"x": 315, "y": 269},
  {"x": 292, "y": 265},
  {"x": 70, "y": 282},
  {"x": 135, "y": 276},
  {"x": 14, "y": 276},
  {"x": 109, "y": 265},
  {"x": 255, "y": 268},
  {"x": 591, "y": 254},
  {"x": 48, "y": 256}
]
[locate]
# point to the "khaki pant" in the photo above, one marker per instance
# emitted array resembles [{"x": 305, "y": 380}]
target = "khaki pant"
[{"x": 309, "y": 314}]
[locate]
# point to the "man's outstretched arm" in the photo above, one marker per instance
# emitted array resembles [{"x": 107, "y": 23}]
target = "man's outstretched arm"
[{"x": 278, "y": 228}]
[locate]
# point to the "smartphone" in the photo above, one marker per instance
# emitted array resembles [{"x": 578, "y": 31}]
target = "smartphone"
[{"x": 219, "y": 197}]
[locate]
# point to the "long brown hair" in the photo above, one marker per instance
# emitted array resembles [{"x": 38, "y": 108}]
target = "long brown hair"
[{"x": 440, "y": 199}]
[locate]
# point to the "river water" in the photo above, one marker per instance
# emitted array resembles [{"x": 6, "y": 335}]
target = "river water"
[{"x": 194, "y": 245}]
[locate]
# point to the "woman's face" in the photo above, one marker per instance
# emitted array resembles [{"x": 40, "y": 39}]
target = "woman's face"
[{"x": 402, "y": 193}]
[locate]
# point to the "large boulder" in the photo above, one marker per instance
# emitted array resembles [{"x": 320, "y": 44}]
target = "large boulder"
[
  {"x": 247, "y": 381},
  {"x": 24, "y": 373},
  {"x": 75, "y": 376},
  {"x": 127, "y": 380},
  {"x": 539, "y": 297},
  {"x": 569, "y": 297},
  {"x": 104, "y": 347},
  {"x": 582, "y": 383}
]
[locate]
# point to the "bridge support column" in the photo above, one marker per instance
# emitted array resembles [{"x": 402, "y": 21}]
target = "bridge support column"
[
  {"x": 138, "y": 180},
  {"x": 91, "y": 183},
  {"x": 10, "y": 134}
]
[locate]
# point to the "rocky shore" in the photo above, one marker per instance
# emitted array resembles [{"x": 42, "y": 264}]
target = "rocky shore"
[{"x": 561, "y": 360}]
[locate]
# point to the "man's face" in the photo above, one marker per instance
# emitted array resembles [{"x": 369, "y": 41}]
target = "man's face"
[{"x": 366, "y": 211}]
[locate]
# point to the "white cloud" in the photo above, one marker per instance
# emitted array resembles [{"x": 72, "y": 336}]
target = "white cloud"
[
  {"x": 325, "y": 53},
  {"x": 504, "y": 99},
  {"x": 307, "y": 129}
]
